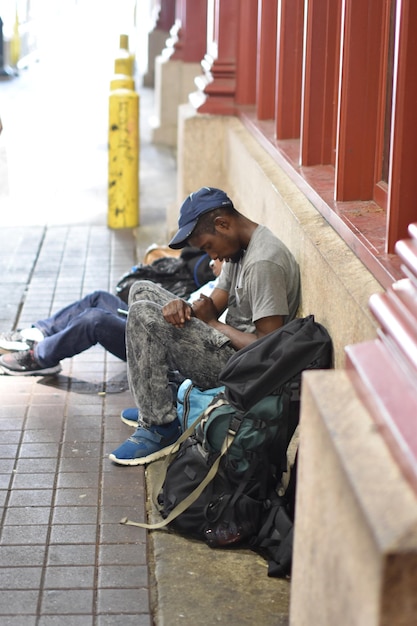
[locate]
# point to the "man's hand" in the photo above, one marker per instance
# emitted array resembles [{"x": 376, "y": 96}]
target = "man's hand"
[
  {"x": 204, "y": 309},
  {"x": 177, "y": 312}
]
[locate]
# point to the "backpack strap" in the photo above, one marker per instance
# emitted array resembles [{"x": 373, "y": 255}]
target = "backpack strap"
[
  {"x": 192, "y": 497},
  {"x": 172, "y": 453}
]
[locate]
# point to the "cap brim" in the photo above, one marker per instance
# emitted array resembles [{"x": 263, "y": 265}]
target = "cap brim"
[{"x": 181, "y": 238}]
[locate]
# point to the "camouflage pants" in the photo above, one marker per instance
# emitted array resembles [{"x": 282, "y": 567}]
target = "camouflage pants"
[{"x": 155, "y": 347}]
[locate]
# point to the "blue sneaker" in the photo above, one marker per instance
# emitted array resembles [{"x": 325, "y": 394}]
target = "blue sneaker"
[
  {"x": 130, "y": 417},
  {"x": 148, "y": 444}
]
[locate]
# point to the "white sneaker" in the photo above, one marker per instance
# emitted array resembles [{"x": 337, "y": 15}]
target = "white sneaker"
[
  {"x": 32, "y": 334},
  {"x": 18, "y": 340}
]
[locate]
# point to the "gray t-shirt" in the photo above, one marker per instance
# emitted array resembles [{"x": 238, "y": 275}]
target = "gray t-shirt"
[{"x": 265, "y": 282}]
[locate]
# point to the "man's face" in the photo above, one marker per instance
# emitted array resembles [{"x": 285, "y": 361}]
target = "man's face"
[{"x": 221, "y": 246}]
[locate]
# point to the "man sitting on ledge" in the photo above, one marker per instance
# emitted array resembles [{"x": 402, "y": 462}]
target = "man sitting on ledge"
[{"x": 259, "y": 285}]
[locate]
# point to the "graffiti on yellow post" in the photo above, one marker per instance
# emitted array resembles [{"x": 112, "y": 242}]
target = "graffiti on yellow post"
[{"x": 123, "y": 191}]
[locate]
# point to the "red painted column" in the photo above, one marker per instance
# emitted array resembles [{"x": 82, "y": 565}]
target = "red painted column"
[
  {"x": 188, "y": 39},
  {"x": 218, "y": 85},
  {"x": 267, "y": 62},
  {"x": 166, "y": 15},
  {"x": 247, "y": 52},
  {"x": 289, "y": 68},
  {"x": 321, "y": 65},
  {"x": 402, "y": 206},
  {"x": 384, "y": 371},
  {"x": 362, "y": 39}
]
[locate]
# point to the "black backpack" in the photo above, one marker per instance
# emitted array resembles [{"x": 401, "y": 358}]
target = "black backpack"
[
  {"x": 220, "y": 483},
  {"x": 181, "y": 276}
]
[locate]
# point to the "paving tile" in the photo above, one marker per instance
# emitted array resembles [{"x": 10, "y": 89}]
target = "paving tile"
[
  {"x": 122, "y": 499},
  {"x": 30, "y": 497},
  {"x": 55, "y": 399},
  {"x": 71, "y": 554},
  {"x": 11, "y": 436},
  {"x": 113, "y": 514},
  {"x": 5, "y": 481},
  {"x": 22, "y": 555},
  {"x": 121, "y": 533},
  {"x": 42, "y": 435},
  {"x": 20, "y": 577},
  {"x": 75, "y": 515},
  {"x": 27, "y": 466},
  {"x": 12, "y": 398},
  {"x": 18, "y": 602},
  {"x": 73, "y": 533},
  {"x": 81, "y": 449},
  {"x": 69, "y": 577},
  {"x": 41, "y": 480},
  {"x": 11, "y": 416},
  {"x": 85, "y": 410},
  {"x": 67, "y": 601},
  {"x": 119, "y": 601},
  {"x": 8, "y": 451},
  {"x": 73, "y": 464},
  {"x": 27, "y": 515},
  {"x": 74, "y": 434},
  {"x": 82, "y": 480},
  {"x": 24, "y": 535},
  {"x": 130, "y": 554},
  {"x": 125, "y": 576},
  {"x": 43, "y": 411},
  {"x": 38, "y": 450}
]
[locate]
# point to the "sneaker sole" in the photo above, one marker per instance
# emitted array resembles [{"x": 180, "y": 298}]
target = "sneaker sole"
[
  {"x": 43, "y": 372},
  {"x": 143, "y": 460},
  {"x": 132, "y": 423},
  {"x": 17, "y": 347}
]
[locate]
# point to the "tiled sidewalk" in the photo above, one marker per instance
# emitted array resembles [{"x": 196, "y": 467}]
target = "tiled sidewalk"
[{"x": 64, "y": 558}]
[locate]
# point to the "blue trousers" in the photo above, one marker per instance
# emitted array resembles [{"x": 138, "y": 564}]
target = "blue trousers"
[
  {"x": 82, "y": 324},
  {"x": 155, "y": 347}
]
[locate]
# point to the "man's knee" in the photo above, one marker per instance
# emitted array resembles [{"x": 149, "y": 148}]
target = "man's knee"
[
  {"x": 144, "y": 314},
  {"x": 93, "y": 316},
  {"x": 144, "y": 290}
]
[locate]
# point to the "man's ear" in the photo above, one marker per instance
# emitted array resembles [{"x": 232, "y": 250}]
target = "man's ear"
[{"x": 221, "y": 223}]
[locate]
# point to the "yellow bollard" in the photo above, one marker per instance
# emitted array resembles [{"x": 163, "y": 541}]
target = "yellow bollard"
[
  {"x": 124, "y": 42},
  {"x": 125, "y": 60},
  {"x": 124, "y": 65},
  {"x": 15, "y": 43},
  {"x": 123, "y": 191},
  {"x": 121, "y": 80}
]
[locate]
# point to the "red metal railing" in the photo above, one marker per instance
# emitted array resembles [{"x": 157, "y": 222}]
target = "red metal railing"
[{"x": 385, "y": 371}]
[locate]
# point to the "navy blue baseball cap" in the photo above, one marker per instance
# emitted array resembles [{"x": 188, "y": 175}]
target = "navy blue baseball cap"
[{"x": 196, "y": 204}]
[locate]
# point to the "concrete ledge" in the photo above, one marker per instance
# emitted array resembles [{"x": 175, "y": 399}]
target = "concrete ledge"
[
  {"x": 355, "y": 552},
  {"x": 198, "y": 585}
]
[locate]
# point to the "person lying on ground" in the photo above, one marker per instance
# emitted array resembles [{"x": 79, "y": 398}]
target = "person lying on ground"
[
  {"x": 99, "y": 317},
  {"x": 259, "y": 285}
]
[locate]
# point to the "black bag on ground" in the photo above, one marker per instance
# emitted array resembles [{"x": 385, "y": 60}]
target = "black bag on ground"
[
  {"x": 180, "y": 275},
  {"x": 239, "y": 455},
  {"x": 273, "y": 538}
]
